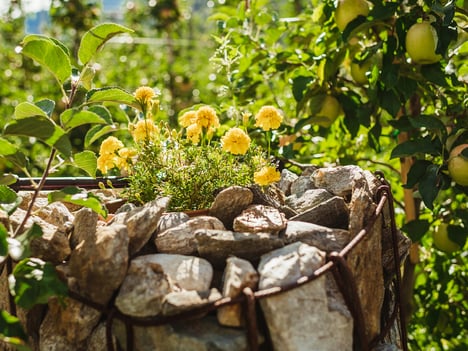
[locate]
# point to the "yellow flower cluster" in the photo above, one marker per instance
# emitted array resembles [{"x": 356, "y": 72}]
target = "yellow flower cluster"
[
  {"x": 113, "y": 154},
  {"x": 204, "y": 119},
  {"x": 235, "y": 141},
  {"x": 143, "y": 130},
  {"x": 267, "y": 175},
  {"x": 268, "y": 118}
]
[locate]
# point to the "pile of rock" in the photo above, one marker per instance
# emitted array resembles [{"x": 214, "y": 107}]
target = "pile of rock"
[{"x": 148, "y": 262}]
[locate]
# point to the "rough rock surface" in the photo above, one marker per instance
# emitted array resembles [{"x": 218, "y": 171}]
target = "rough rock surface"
[
  {"x": 229, "y": 203},
  {"x": 260, "y": 219}
]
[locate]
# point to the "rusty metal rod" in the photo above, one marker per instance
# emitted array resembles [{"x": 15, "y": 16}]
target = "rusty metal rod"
[{"x": 57, "y": 183}]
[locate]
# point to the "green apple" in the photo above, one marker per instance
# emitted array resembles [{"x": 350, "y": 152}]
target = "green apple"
[
  {"x": 442, "y": 240},
  {"x": 421, "y": 43},
  {"x": 458, "y": 165},
  {"x": 347, "y": 10},
  {"x": 359, "y": 70},
  {"x": 329, "y": 111}
]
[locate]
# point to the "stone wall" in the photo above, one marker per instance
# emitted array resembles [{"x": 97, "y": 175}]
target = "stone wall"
[{"x": 147, "y": 266}]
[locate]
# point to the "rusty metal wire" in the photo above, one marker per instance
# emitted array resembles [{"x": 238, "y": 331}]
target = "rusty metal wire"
[{"x": 336, "y": 264}]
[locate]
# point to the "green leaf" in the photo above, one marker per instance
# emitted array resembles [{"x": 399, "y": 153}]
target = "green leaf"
[
  {"x": 96, "y": 37},
  {"x": 12, "y": 332},
  {"x": 96, "y": 132},
  {"x": 79, "y": 197},
  {"x": 73, "y": 118},
  {"x": 112, "y": 94},
  {"x": 48, "y": 54},
  {"x": 46, "y": 105},
  {"x": 86, "y": 161},
  {"x": 3, "y": 244},
  {"x": 434, "y": 73},
  {"x": 102, "y": 112},
  {"x": 427, "y": 121},
  {"x": 20, "y": 246},
  {"x": 416, "y": 172},
  {"x": 413, "y": 147},
  {"x": 27, "y": 109},
  {"x": 416, "y": 229},
  {"x": 429, "y": 186},
  {"x": 42, "y": 128},
  {"x": 6, "y": 148},
  {"x": 35, "y": 281},
  {"x": 8, "y": 179},
  {"x": 457, "y": 234},
  {"x": 299, "y": 86},
  {"x": 9, "y": 200}
]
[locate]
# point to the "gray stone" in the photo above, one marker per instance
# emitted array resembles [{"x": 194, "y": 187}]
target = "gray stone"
[
  {"x": 99, "y": 263},
  {"x": 238, "y": 275},
  {"x": 300, "y": 319},
  {"x": 171, "y": 219},
  {"x": 185, "y": 300},
  {"x": 286, "y": 180},
  {"x": 66, "y": 327},
  {"x": 217, "y": 245},
  {"x": 151, "y": 278},
  {"x": 332, "y": 213},
  {"x": 84, "y": 226},
  {"x": 301, "y": 185},
  {"x": 337, "y": 180},
  {"x": 181, "y": 239},
  {"x": 229, "y": 203},
  {"x": 260, "y": 219},
  {"x": 324, "y": 238},
  {"x": 97, "y": 340},
  {"x": 365, "y": 259},
  {"x": 309, "y": 199},
  {"x": 203, "y": 334},
  {"x": 142, "y": 223}
]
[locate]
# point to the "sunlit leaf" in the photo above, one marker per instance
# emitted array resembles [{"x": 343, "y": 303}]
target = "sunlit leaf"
[
  {"x": 27, "y": 109},
  {"x": 3, "y": 243},
  {"x": 112, "y": 94},
  {"x": 35, "y": 281},
  {"x": 97, "y": 132},
  {"x": 413, "y": 147},
  {"x": 9, "y": 200},
  {"x": 49, "y": 54},
  {"x": 42, "y": 128},
  {"x": 6, "y": 148},
  {"x": 79, "y": 197},
  {"x": 12, "y": 331},
  {"x": 73, "y": 118},
  {"x": 93, "y": 40},
  {"x": 87, "y": 161}
]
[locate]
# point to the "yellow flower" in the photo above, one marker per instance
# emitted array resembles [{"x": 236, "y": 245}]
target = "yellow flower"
[
  {"x": 268, "y": 118},
  {"x": 144, "y": 95},
  {"x": 187, "y": 118},
  {"x": 235, "y": 141},
  {"x": 110, "y": 145},
  {"x": 106, "y": 162},
  {"x": 206, "y": 117},
  {"x": 145, "y": 129},
  {"x": 267, "y": 175},
  {"x": 193, "y": 133},
  {"x": 125, "y": 158}
]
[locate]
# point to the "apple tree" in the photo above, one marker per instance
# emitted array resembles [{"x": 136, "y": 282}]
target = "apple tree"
[{"x": 382, "y": 84}]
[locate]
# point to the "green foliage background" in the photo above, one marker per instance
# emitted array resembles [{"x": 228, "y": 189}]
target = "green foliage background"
[{"x": 242, "y": 55}]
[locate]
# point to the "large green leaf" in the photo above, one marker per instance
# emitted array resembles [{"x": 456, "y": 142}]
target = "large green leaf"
[
  {"x": 12, "y": 332},
  {"x": 413, "y": 147},
  {"x": 416, "y": 229},
  {"x": 87, "y": 161},
  {"x": 112, "y": 94},
  {"x": 27, "y": 109},
  {"x": 429, "y": 185},
  {"x": 79, "y": 197},
  {"x": 96, "y": 132},
  {"x": 42, "y": 128},
  {"x": 96, "y": 37},
  {"x": 9, "y": 200},
  {"x": 7, "y": 148},
  {"x": 35, "y": 281},
  {"x": 49, "y": 54},
  {"x": 73, "y": 118}
]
